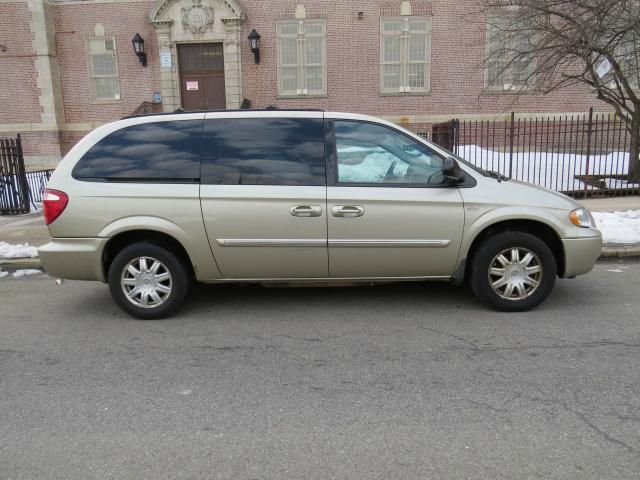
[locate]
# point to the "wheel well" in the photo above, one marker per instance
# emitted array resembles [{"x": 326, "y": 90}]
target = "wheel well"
[
  {"x": 538, "y": 229},
  {"x": 124, "y": 239}
]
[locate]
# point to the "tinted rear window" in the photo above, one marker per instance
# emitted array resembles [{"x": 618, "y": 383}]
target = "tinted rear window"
[
  {"x": 168, "y": 151},
  {"x": 263, "y": 151}
]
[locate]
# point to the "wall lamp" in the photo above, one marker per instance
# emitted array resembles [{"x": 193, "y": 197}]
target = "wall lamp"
[
  {"x": 254, "y": 44},
  {"x": 138, "y": 49}
]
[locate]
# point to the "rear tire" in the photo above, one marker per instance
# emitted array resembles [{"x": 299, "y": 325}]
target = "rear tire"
[
  {"x": 148, "y": 281},
  {"x": 513, "y": 271}
]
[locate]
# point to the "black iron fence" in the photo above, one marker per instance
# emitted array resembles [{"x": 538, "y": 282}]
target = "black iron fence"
[
  {"x": 19, "y": 189},
  {"x": 14, "y": 190},
  {"x": 580, "y": 155},
  {"x": 37, "y": 181}
]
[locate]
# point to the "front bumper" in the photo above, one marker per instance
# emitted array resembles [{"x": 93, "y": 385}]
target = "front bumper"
[
  {"x": 580, "y": 254},
  {"x": 74, "y": 258}
]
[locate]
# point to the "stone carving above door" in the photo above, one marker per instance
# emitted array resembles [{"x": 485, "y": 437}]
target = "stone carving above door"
[{"x": 197, "y": 18}]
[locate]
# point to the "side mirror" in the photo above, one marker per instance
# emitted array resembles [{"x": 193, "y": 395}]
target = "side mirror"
[{"x": 451, "y": 171}]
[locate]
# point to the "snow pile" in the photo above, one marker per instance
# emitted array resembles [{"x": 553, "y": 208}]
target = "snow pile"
[
  {"x": 17, "y": 251},
  {"x": 26, "y": 272},
  {"x": 553, "y": 170},
  {"x": 619, "y": 227}
]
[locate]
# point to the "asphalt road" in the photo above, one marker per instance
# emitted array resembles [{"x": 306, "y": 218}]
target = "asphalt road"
[{"x": 391, "y": 382}]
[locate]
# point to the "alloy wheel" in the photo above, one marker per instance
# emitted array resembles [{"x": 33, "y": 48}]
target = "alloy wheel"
[
  {"x": 515, "y": 273},
  {"x": 146, "y": 282}
]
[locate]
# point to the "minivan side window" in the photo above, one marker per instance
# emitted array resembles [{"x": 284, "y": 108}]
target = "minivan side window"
[
  {"x": 157, "y": 152},
  {"x": 368, "y": 153},
  {"x": 263, "y": 151}
]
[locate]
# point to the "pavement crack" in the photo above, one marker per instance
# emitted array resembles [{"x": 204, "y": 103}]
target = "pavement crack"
[
  {"x": 602, "y": 433},
  {"x": 304, "y": 339},
  {"x": 473, "y": 345},
  {"x": 589, "y": 423},
  {"x": 516, "y": 348},
  {"x": 625, "y": 418}
]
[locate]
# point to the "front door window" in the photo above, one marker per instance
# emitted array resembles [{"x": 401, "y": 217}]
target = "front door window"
[{"x": 374, "y": 154}]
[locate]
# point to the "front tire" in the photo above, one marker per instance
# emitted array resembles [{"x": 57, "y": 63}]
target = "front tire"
[
  {"x": 513, "y": 271},
  {"x": 148, "y": 281}
]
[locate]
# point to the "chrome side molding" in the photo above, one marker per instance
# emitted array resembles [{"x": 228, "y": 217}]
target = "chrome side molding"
[
  {"x": 390, "y": 243},
  {"x": 305, "y": 242},
  {"x": 271, "y": 242}
]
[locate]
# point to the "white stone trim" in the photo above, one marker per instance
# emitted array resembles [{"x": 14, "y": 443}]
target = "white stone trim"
[
  {"x": 46, "y": 62},
  {"x": 229, "y": 35}
]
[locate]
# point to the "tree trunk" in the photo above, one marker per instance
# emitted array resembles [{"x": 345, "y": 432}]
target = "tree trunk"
[{"x": 634, "y": 151}]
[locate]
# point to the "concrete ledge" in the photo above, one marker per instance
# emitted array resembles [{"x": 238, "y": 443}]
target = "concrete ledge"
[
  {"x": 620, "y": 251},
  {"x": 20, "y": 263}
]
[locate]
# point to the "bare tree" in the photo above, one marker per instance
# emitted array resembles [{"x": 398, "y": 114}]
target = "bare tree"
[{"x": 546, "y": 45}]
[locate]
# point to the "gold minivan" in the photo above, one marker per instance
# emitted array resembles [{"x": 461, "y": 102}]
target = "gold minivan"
[{"x": 152, "y": 203}]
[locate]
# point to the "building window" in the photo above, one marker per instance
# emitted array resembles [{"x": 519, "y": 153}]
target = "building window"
[
  {"x": 509, "y": 61},
  {"x": 627, "y": 53},
  {"x": 405, "y": 54},
  {"x": 302, "y": 59},
  {"x": 103, "y": 68}
]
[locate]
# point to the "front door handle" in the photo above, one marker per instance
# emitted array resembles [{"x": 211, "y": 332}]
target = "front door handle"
[
  {"x": 347, "y": 211},
  {"x": 306, "y": 211}
]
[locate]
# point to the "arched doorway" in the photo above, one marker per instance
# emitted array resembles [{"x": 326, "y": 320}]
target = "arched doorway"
[{"x": 199, "y": 43}]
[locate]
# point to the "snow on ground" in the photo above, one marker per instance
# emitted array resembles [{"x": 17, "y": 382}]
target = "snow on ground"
[
  {"x": 553, "y": 170},
  {"x": 24, "y": 272},
  {"x": 8, "y": 250},
  {"x": 619, "y": 227}
]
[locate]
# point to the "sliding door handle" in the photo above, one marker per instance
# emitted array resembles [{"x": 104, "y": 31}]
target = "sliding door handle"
[
  {"x": 306, "y": 211},
  {"x": 347, "y": 211}
]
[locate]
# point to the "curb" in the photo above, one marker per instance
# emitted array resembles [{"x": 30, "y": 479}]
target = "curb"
[
  {"x": 20, "y": 263},
  {"x": 620, "y": 251}
]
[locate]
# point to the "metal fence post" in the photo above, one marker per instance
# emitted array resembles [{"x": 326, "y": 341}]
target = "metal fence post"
[
  {"x": 589, "y": 134},
  {"x": 21, "y": 174},
  {"x": 512, "y": 134}
]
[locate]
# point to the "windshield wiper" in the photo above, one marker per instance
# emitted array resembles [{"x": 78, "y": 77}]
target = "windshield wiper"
[{"x": 497, "y": 175}]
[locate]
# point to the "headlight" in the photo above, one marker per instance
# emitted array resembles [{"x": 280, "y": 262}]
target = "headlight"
[{"x": 581, "y": 217}]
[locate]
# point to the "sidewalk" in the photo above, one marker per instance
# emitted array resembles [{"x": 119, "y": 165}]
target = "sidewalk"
[
  {"x": 23, "y": 229},
  {"x": 620, "y": 239},
  {"x": 32, "y": 230}
]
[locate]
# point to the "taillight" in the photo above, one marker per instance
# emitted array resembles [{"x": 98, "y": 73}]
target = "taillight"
[{"x": 53, "y": 204}]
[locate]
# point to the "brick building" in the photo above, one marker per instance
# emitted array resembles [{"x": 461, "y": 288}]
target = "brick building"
[{"x": 67, "y": 66}]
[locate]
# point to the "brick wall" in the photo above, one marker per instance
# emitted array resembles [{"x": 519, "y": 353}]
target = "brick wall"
[
  {"x": 18, "y": 90},
  {"x": 74, "y": 24},
  {"x": 353, "y": 53}
]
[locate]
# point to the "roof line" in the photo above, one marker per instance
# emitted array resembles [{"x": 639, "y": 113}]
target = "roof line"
[{"x": 183, "y": 112}]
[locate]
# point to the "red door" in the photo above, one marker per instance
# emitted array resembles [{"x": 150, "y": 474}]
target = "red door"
[{"x": 202, "y": 76}]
